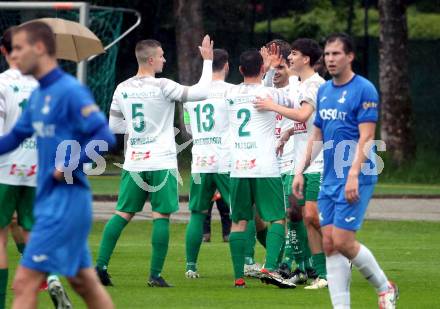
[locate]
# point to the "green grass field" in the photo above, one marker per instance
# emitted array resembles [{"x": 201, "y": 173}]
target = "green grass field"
[
  {"x": 110, "y": 185},
  {"x": 408, "y": 252}
]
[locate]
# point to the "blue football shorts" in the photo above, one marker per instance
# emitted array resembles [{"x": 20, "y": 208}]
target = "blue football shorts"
[{"x": 334, "y": 208}]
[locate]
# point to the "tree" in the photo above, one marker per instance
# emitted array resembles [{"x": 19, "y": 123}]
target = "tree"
[
  {"x": 189, "y": 34},
  {"x": 396, "y": 112}
]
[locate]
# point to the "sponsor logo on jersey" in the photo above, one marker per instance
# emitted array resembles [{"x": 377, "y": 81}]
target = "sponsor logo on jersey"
[
  {"x": 204, "y": 161},
  {"x": 245, "y": 164},
  {"x": 46, "y": 108},
  {"x": 22, "y": 170},
  {"x": 140, "y": 155},
  {"x": 15, "y": 88},
  {"x": 342, "y": 98},
  {"x": 140, "y": 94},
  {"x": 332, "y": 114},
  {"x": 44, "y": 130},
  {"x": 367, "y": 105},
  {"x": 279, "y": 117},
  {"x": 299, "y": 127},
  {"x": 142, "y": 140}
]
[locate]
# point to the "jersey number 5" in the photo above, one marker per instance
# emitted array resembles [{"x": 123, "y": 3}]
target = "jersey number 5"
[{"x": 139, "y": 123}]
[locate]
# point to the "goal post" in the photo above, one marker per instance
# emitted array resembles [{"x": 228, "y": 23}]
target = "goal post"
[{"x": 83, "y": 7}]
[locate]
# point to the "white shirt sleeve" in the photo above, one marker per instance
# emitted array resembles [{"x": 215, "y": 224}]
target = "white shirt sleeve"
[
  {"x": 2, "y": 111},
  {"x": 117, "y": 121},
  {"x": 281, "y": 98},
  {"x": 176, "y": 92},
  {"x": 268, "y": 78},
  {"x": 309, "y": 93}
]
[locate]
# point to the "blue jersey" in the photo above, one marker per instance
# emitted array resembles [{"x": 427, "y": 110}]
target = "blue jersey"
[
  {"x": 340, "y": 110},
  {"x": 60, "y": 109}
]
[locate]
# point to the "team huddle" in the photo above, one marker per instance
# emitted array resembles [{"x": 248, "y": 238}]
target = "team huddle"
[{"x": 291, "y": 154}]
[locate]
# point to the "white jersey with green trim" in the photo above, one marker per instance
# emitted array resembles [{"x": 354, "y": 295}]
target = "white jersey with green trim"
[
  {"x": 307, "y": 91},
  {"x": 19, "y": 167},
  {"x": 252, "y": 132},
  {"x": 147, "y": 105},
  {"x": 286, "y": 160},
  {"x": 211, "y": 150}
]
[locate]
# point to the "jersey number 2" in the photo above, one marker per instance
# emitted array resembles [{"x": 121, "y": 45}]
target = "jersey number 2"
[{"x": 246, "y": 114}]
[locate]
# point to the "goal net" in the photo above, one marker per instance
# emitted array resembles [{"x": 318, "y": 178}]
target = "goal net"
[{"x": 105, "y": 22}]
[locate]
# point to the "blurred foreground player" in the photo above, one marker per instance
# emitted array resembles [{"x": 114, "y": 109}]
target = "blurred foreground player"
[{"x": 60, "y": 112}]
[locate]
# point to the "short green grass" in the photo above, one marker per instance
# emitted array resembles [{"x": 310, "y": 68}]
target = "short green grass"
[
  {"x": 110, "y": 185},
  {"x": 408, "y": 252}
]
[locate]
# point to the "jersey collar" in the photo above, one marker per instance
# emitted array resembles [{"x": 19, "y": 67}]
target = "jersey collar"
[{"x": 50, "y": 77}]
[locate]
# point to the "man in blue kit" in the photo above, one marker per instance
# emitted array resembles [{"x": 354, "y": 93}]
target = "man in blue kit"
[
  {"x": 346, "y": 117},
  {"x": 60, "y": 112}
]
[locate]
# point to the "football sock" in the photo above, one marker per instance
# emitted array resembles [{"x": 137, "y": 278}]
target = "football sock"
[
  {"x": 3, "y": 285},
  {"x": 110, "y": 236},
  {"x": 52, "y": 277},
  {"x": 194, "y": 237},
  {"x": 288, "y": 245},
  {"x": 367, "y": 265},
  {"x": 20, "y": 247},
  {"x": 319, "y": 265},
  {"x": 261, "y": 237},
  {"x": 249, "y": 251},
  {"x": 160, "y": 238},
  {"x": 339, "y": 276},
  {"x": 275, "y": 240},
  {"x": 307, "y": 254},
  {"x": 237, "y": 243}
]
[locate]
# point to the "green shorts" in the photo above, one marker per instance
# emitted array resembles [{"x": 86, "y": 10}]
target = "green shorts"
[
  {"x": 18, "y": 199},
  {"x": 203, "y": 187},
  {"x": 161, "y": 186},
  {"x": 287, "y": 179},
  {"x": 266, "y": 193},
  {"x": 312, "y": 185}
]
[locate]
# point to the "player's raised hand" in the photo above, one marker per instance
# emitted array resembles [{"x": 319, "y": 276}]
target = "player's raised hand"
[
  {"x": 264, "y": 104},
  {"x": 207, "y": 48},
  {"x": 264, "y": 52},
  {"x": 275, "y": 55}
]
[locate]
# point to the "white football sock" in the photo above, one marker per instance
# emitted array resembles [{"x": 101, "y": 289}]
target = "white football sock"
[
  {"x": 339, "y": 277},
  {"x": 370, "y": 269}
]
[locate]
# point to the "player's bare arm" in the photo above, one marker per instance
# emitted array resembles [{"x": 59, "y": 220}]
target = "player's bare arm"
[
  {"x": 366, "y": 136},
  {"x": 268, "y": 104}
]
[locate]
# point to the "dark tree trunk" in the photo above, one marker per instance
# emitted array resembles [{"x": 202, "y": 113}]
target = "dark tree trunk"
[
  {"x": 189, "y": 34},
  {"x": 396, "y": 112}
]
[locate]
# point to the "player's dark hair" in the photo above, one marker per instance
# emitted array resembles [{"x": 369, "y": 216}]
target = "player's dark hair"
[
  {"x": 145, "y": 49},
  {"x": 285, "y": 48},
  {"x": 38, "y": 31},
  {"x": 309, "y": 48},
  {"x": 320, "y": 68},
  {"x": 221, "y": 57},
  {"x": 345, "y": 39},
  {"x": 6, "y": 40},
  {"x": 250, "y": 63}
]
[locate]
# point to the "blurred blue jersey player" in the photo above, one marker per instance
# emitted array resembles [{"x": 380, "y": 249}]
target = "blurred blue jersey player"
[
  {"x": 345, "y": 122},
  {"x": 59, "y": 110}
]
